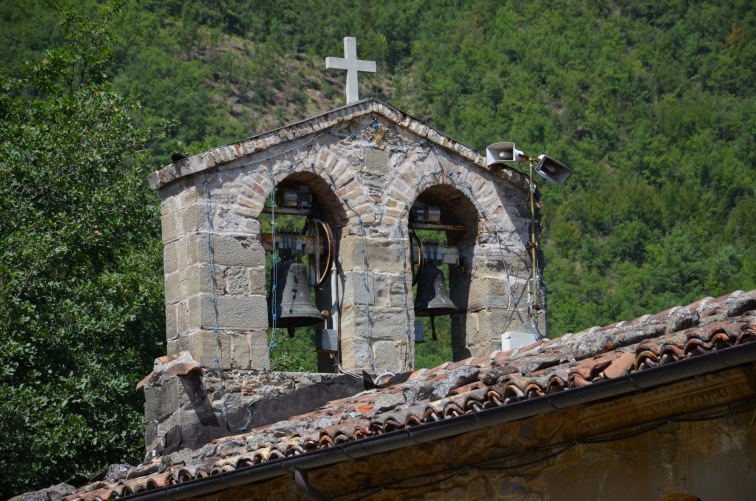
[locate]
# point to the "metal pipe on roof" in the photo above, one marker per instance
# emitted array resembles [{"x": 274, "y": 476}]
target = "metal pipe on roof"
[{"x": 445, "y": 428}]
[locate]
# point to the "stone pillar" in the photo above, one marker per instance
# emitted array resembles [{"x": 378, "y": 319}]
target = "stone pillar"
[
  {"x": 498, "y": 298},
  {"x": 377, "y": 317},
  {"x": 214, "y": 283}
]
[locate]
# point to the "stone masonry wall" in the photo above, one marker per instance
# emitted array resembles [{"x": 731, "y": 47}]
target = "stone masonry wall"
[
  {"x": 187, "y": 406},
  {"x": 367, "y": 166}
]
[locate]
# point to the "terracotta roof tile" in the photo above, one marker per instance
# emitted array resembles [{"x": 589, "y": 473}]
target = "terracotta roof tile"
[{"x": 454, "y": 389}]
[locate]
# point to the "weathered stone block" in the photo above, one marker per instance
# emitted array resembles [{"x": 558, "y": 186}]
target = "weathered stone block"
[
  {"x": 190, "y": 428},
  {"x": 175, "y": 393},
  {"x": 485, "y": 325},
  {"x": 188, "y": 281},
  {"x": 229, "y": 219},
  {"x": 256, "y": 277},
  {"x": 358, "y": 288},
  {"x": 356, "y": 354},
  {"x": 235, "y": 280},
  {"x": 170, "y": 257},
  {"x": 233, "y": 312},
  {"x": 187, "y": 315},
  {"x": 193, "y": 218},
  {"x": 249, "y": 350},
  {"x": 228, "y": 250},
  {"x": 490, "y": 261},
  {"x": 394, "y": 356},
  {"x": 232, "y": 350},
  {"x": 171, "y": 196},
  {"x": 384, "y": 323},
  {"x": 170, "y": 225},
  {"x": 394, "y": 291},
  {"x": 227, "y": 312},
  {"x": 205, "y": 348},
  {"x": 171, "y": 321},
  {"x": 381, "y": 255},
  {"x": 493, "y": 293}
]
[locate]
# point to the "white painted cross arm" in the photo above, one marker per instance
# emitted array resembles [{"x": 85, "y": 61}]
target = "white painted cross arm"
[{"x": 350, "y": 63}]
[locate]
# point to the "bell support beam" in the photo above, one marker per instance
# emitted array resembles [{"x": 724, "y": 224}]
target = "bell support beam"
[
  {"x": 446, "y": 254},
  {"x": 284, "y": 241}
]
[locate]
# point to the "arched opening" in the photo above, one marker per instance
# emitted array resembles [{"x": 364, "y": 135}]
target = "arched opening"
[
  {"x": 443, "y": 225},
  {"x": 300, "y": 223}
]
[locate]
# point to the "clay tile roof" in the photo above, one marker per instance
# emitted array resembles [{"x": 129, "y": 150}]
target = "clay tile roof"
[{"x": 453, "y": 390}]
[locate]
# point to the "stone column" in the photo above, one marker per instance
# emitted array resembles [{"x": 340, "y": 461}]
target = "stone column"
[
  {"x": 214, "y": 283},
  {"x": 498, "y": 299},
  {"x": 374, "y": 318}
]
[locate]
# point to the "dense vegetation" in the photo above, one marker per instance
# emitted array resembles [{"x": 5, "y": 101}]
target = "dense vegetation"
[
  {"x": 80, "y": 284},
  {"x": 651, "y": 103}
]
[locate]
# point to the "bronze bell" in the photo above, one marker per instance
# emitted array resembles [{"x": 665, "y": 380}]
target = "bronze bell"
[
  {"x": 432, "y": 299},
  {"x": 294, "y": 305}
]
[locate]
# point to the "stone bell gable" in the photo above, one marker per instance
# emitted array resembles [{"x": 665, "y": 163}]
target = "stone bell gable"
[{"x": 362, "y": 168}]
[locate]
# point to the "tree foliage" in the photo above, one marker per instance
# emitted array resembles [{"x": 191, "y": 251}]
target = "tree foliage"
[
  {"x": 651, "y": 103},
  {"x": 80, "y": 267}
]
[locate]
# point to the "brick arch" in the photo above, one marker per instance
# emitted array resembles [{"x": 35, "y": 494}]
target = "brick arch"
[
  {"x": 476, "y": 188},
  {"x": 326, "y": 199},
  {"x": 352, "y": 194},
  {"x": 332, "y": 180},
  {"x": 456, "y": 207}
]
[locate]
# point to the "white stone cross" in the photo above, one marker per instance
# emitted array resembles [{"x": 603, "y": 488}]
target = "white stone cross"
[{"x": 350, "y": 63}]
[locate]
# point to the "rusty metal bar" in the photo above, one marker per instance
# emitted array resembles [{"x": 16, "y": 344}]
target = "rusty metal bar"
[
  {"x": 438, "y": 227},
  {"x": 446, "y": 254}
]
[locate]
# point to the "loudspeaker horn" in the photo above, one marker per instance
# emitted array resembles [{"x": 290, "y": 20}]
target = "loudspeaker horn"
[
  {"x": 499, "y": 153},
  {"x": 552, "y": 170}
]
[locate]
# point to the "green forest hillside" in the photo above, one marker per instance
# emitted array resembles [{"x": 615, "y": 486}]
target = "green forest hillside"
[{"x": 650, "y": 102}]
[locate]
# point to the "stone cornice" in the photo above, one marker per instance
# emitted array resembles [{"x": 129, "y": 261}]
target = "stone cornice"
[{"x": 299, "y": 130}]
